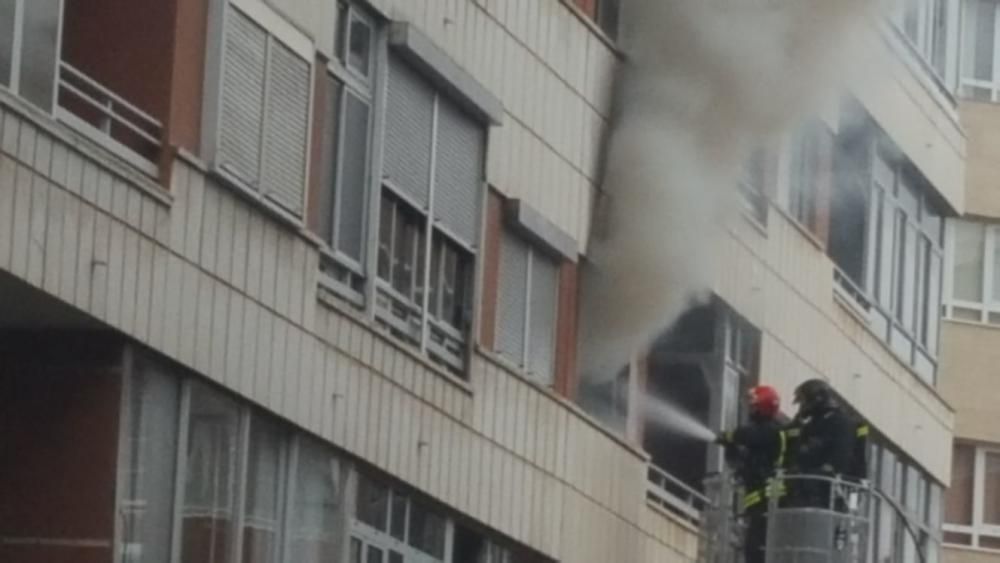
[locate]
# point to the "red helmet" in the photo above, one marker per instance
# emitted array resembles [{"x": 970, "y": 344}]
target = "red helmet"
[{"x": 764, "y": 401}]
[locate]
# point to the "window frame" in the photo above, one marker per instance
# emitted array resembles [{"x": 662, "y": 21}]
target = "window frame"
[
  {"x": 967, "y": 85},
  {"x": 435, "y": 336},
  {"x": 978, "y": 527},
  {"x": 988, "y": 308},
  {"x": 368, "y": 89}
]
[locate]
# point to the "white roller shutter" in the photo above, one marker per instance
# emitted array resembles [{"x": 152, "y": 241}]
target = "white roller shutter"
[
  {"x": 264, "y": 112},
  {"x": 458, "y": 172},
  {"x": 409, "y": 123},
  {"x": 242, "y": 103},
  {"x": 543, "y": 307},
  {"x": 512, "y": 298},
  {"x": 286, "y": 127}
]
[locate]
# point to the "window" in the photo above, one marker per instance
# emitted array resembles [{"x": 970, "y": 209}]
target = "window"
[
  {"x": 808, "y": 175},
  {"x": 317, "y": 505},
  {"x": 975, "y": 275},
  {"x": 886, "y": 238},
  {"x": 925, "y": 25},
  {"x": 432, "y": 189},
  {"x": 148, "y": 460},
  {"x": 897, "y": 534},
  {"x": 264, "y": 490},
  {"x": 972, "y": 509},
  {"x": 263, "y": 112},
  {"x": 390, "y": 521},
  {"x": 526, "y": 308},
  {"x": 979, "y": 77},
  {"x": 29, "y": 57},
  {"x": 346, "y": 147},
  {"x": 752, "y": 185}
]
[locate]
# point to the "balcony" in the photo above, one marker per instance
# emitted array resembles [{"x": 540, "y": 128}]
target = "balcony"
[{"x": 102, "y": 67}]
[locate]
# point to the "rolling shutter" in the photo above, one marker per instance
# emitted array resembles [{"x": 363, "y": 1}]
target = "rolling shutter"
[
  {"x": 286, "y": 128},
  {"x": 458, "y": 172},
  {"x": 409, "y": 125},
  {"x": 542, "y": 332},
  {"x": 242, "y": 104},
  {"x": 511, "y": 301}
]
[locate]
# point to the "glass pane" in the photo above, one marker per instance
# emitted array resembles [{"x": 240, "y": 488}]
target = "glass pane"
[
  {"x": 969, "y": 249},
  {"x": 885, "y": 250},
  {"x": 150, "y": 451},
  {"x": 356, "y": 549},
  {"x": 353, "y": 178},
  {"x": 397, "y": 525},
  {"x": 316, "y": 505},
  {"x": 6, "y": 40},
  {"x": 213, "y": 430},
  {"x": 911, "y": 270},
  {"x": 373, "y": 503},
  {"x": 989, "y": 542},
  {"x": 933, "y": 302},
  {"x": 957, "y": 538},
  {"x": 385, "y": 238},
  {"x": 395, "y": 557},
  {"x": 263, "y": 492},
  {"x": 983, "y": 39},
  {"x": 958, "y": 498},
  {"x": 38, "y": 51},
  {"x": 331, "y": 131},
  {"x": 426, "y": 530},
  {"x": 403, "y": 253},
  {"x": 359, "y": 46},
  {"x": 374, "y": 555},
  {"x": 991, "y": 489}
]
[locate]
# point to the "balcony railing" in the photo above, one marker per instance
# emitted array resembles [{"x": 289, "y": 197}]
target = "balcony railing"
[
  {"x": 673, "y": 495},
  {"x": 87, "y": 105}
]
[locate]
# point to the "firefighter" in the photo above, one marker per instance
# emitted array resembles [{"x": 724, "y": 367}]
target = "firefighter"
[
  {"x": 758, "y": 449},
  {"x": 823, "y": 438}
]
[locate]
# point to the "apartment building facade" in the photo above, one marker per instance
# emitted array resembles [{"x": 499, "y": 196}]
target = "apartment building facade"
[
  {"x": 969, "y": 335},
  {"x": 296, "y": 280}
]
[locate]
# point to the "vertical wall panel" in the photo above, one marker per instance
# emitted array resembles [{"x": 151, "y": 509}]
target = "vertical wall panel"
[
  {"x": 8, "y": 187},
  {"x": 144, "y": 289},
  {"x": 194, "y": 212},
  {"x": 130, "y": 278},
  {"x": 238, "y": 274},
  {"x": 224, "y": 235},
  {"x": 209, "y": 228},
  {"x": 38, "y": 218},
  {"x": 71, "y": 236},
  {"x": 53, "y": 239}
]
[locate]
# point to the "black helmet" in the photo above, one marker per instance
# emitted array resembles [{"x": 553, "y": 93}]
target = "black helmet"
[{"x": 813, "y": 395}]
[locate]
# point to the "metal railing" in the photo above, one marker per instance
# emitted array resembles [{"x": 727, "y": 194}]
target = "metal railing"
[
  {"x": 673, "y": 495},
  {"x": 88, "y": 105}
]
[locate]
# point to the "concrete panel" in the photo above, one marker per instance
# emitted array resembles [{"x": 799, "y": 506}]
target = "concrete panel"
[
  {"x": 982, "y": 167},
  {"x": 968, "y": 378}
]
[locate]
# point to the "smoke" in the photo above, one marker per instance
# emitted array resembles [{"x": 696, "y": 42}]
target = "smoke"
[
  {"x": 703, "y": 82},
  {"x": 672, "y": 418}
]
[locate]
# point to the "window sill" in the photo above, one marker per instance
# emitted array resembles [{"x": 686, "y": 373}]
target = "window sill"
[
  {"x": 970, "y": 548},
  {"x": 272, "y": 209},
  {"x": 655, "y": 507},
  {"x": 343, "y": 307},
  {"x": 759, "y": 225},
  {"x": 850, "y": 304},
  {"x": 515, "y": 369},
  {"x": 804, "y": 230},
  {"x": 975, "y": 324}
]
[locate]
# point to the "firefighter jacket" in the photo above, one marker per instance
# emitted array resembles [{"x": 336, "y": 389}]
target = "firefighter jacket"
[
  {"x": 823, "y": 443},
  {"x": 758, "y": 449}
]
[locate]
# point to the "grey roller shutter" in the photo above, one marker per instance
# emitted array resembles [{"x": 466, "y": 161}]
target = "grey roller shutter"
[
  {"x": 409, "y": 125},
  {"x": 542, "y": 308},
  {"x": 242, "y": 104},
  {"x": 354, "y": 177},
  {"x": 458, "y": 172},
  {"x": 511, "y": 301},
  {"x": 286, "y": 128}
]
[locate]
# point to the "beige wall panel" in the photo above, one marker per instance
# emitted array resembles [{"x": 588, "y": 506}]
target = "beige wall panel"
[
  {"x": 968, "y": 378},
  {"x": 959, "y": 555},
  {"x": 982, "y": 168}
]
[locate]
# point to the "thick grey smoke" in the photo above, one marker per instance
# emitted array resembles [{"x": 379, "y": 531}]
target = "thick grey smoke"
[{"x": 703, "y": 81}]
